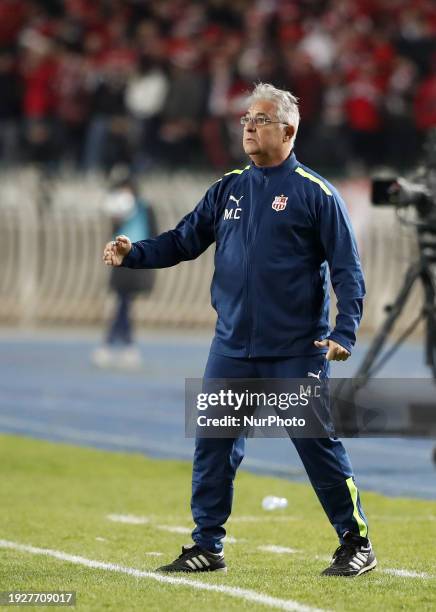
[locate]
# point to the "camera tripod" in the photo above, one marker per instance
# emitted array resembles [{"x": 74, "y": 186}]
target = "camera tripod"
[{"x": 424, "y": 269}]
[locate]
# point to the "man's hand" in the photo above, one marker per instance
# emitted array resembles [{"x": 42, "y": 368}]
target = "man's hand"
[
  {"x": 115, "y": 251},
  {"x": 336, "y": 352}
]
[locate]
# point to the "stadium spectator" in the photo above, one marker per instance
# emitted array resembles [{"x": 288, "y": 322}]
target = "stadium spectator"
[
  {"x": 184, "y": 106},
  {"x": 303, "y": 78},
  {"x": 101, "y": 82},
  {"x": 72, "y": 106},
  {"x": 108, "y": 133},
  {"x": 425, "y": 104},
  {"x": 128, "y": 213},
  {"x": 38, "y": 71},
  {"x": 146, "y": 92},
  {"x": 363, "y": 110},
  {"x": 9, "y": 108},
  {"x": 226, "y": 97},
  {"x": 399, "y": 121}
]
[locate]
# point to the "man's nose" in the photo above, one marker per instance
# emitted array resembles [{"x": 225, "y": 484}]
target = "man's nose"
[{"x": 250, "y": 126}]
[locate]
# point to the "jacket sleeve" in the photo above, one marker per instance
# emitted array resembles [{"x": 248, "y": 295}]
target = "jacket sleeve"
[
  {"x": 340, "y": 249},
  {"x": 193, "y": 234}
]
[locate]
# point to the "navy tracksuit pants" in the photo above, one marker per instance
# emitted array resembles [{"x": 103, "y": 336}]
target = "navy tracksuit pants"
[{"x": 217, "y": 459}]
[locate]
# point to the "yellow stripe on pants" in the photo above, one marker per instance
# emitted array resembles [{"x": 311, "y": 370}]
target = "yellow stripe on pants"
[{"x": 363, "y": 529}]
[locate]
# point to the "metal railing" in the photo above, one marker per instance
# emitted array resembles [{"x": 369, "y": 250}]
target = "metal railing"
[{"x": 52, "y": 232}]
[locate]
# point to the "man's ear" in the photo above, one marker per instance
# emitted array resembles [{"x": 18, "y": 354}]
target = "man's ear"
[{"x": 288, "y": 133}]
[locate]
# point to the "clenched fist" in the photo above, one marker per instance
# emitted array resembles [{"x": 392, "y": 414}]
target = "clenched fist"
[{"x": 115, "y": 251}]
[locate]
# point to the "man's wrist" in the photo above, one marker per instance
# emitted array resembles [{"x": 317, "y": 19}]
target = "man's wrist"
[
  {"x": 129, "y": 258},
  {"x": 341, "y": 340}
]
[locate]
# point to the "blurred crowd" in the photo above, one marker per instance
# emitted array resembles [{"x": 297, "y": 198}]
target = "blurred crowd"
[{"x": 91, "y": 83}]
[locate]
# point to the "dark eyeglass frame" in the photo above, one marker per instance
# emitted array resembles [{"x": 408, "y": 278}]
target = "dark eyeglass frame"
[{"x": 258, "y": 121}]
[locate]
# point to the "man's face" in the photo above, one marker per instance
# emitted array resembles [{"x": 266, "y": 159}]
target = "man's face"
[{"x": 264, "y": 141}]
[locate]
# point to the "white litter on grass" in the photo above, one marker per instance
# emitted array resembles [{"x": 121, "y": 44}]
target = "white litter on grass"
[
  {"x": 403, "y": 573},
  {"x": 280, "y": 550},
  {"x": 100, "y": 539},
  {"x": 239, "y": 593},
  {"x": 128, "y": 518},
  {"x": 151, "y": 553}
]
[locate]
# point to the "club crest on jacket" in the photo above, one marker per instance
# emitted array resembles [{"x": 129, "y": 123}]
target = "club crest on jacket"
[{"x": 280, "y": 203}]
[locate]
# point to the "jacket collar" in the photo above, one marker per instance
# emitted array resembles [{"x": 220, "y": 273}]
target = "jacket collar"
[{"x": 289, "y": 164}]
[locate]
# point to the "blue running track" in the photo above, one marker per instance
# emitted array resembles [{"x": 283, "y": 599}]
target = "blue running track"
[{"x": 50, "y": 390}]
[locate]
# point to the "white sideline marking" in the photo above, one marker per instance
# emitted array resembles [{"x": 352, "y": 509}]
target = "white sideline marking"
[
  {"x": 131, "y": 519},
  {"x": 246, "y": 594},
  {"x": 142, "y": 520},
  {"x": 188, "y": 530},
  {"x": 262, "y": 519},
  {"x": 403, "y": 573},
  {"x": 277, "y": 549},
  {"x": 128, "y": 518},
  {"x": 389, "y": 518},
  {"x": 174, "y": 528}
]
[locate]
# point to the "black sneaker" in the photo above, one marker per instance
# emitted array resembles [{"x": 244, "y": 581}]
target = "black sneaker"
[
  {"x": 352, "y": 558},
  {"x": 196, "y": 559}
]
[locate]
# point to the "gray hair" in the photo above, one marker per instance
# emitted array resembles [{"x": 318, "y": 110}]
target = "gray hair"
[{"x": 286, "y": 103}]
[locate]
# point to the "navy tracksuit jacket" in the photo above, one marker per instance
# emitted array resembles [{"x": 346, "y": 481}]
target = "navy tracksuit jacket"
[{"x": 278, "y": 232}]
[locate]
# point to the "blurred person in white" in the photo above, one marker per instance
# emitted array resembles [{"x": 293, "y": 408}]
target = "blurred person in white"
[
  {"x": 145, "y": 96},
  {"x": 131, "y": 214}
]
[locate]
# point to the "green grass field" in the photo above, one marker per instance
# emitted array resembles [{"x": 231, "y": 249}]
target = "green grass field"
[{"x": 58, "y": 497}]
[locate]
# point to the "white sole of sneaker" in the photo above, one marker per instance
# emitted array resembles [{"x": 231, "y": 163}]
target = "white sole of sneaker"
[{"x": 367, "y": 568}]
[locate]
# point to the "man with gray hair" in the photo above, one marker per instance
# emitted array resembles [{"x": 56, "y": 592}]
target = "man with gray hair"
[{"x": 279, "y": 229}]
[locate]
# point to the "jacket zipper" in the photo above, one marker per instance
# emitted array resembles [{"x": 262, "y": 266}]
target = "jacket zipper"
[
  {"x": 247, "y": 277},
  {"x": 247, "y": 280}
]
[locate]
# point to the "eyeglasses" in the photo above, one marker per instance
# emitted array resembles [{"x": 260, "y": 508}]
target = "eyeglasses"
[{"x": 258, "y": 120}]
